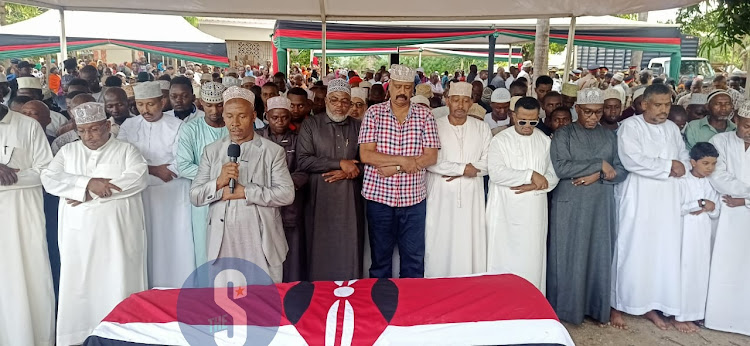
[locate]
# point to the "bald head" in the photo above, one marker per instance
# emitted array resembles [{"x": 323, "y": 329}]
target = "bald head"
[
  {"x": 38, "y": 111},
  {"x": 81, "y": 99}
]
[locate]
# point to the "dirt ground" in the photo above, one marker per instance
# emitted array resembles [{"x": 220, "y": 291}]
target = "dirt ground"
[{"x": 643, "y": 332}]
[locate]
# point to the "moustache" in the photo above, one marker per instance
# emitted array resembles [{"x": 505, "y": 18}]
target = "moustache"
[{"x": 401, "y": 96}]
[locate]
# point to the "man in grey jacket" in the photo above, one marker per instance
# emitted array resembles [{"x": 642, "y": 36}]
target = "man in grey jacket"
[{"x": 244, "y": 223}]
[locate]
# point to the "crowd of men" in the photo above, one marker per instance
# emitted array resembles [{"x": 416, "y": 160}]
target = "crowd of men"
[{"x": 605, "y": 210}]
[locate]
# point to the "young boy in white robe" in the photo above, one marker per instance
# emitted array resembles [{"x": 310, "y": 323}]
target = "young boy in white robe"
[{"x": 700, "y": 204}]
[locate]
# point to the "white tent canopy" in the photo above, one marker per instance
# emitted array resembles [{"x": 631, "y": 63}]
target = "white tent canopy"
[
  {"x": 118, "y": 26},
  {"x": 369, "y": 10}
]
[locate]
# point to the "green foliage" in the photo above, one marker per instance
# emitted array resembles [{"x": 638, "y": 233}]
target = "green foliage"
[
  {"x": 192, "y": 20},
  {"x": 15, "y": 13},
  {"x": 430, "y": 63},
  {"x": 722, "y": 25},
  {"x": 631, "y": 16},
  {"x": 300, "y": 56},
  {"x": 528, "y": 49}
]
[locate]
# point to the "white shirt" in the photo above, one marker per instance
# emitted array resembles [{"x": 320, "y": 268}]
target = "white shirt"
[{"x": 493, "y": 124}]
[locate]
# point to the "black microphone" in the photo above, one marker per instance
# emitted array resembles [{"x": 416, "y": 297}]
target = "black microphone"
[{"x": 233, "y": 152}]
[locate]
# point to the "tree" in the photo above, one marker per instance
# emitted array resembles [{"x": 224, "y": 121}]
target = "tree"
[
  {"x": 192, "y": 20},
  {"x": 631, "y": 16},
  {"x": 14, "y": 13},
  {"x": 722, "y": 25}
]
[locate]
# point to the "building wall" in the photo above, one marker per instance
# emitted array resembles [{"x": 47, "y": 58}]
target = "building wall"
[{"x": 241, "y": 53}]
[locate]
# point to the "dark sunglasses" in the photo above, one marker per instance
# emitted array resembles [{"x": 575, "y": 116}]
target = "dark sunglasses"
[{"x": 528, "y": 122}]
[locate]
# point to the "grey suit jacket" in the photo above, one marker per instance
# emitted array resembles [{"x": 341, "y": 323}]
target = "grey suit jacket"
[{"x": 268, "y": 186}]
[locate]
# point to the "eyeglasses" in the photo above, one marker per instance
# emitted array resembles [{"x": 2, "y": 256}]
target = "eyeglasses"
[
  {"x": 588, "y": 112},
  {"x": 343, "y": 102},
  {"x": 359, "y": 104},
  {"x": 528, "y": 122}
]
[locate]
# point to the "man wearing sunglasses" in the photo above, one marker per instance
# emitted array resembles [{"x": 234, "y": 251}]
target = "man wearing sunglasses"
[
  {"x": 583, "y": 212},
  {"x": 521, "y": 175}
]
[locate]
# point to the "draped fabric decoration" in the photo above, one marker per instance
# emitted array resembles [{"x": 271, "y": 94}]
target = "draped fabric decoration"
[
  {"x": 358, "y": 39},
  {"x": 20, "y": 46},
  {"x": 170, "y": 36}
]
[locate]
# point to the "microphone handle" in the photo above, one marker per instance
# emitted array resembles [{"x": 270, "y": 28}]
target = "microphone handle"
[{"x": 231, "y": 181}]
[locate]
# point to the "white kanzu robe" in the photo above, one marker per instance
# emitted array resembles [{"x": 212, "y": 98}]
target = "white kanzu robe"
[
  {"x": 171, "y": 258},
  {"x": 517, "y": 223},
  {"x": 696, "y": 246},
  {"x": 106, "y": 236},
  {"x": 646, "y": 264},
  {"x": 728, "y": 307},
  {"x": 27, "y": 301},
  {"x": 455, "y": 229}
]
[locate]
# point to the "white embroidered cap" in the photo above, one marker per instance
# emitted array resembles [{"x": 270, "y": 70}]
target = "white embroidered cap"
[
  {"x": 460, "y": 89},
  {"x": 163, "y": 84},
  {"x": 230, "y": 81},
  {"x": 279, "y": 102},
  {"x": 618, "y": 77},
  {"x": 613, "y": 93},
  {"x": 698, "y": 99},
  {"x": 29, "y": 83},
  {"x": 360, "y": 93},
  {"x": 338, "y": 84},
  {"x": 744, "y": 110},
  {"x": 147, "y": 90},
  {"x": 236, "y": 92},
  {"x": 365, "y": 84},
  {"x": 500, "y": 95},
  {"x": 590, "y": 96},
  {"x": 89, "y": 112},
  {"x": 248, "y": 79},
  {"x": 402, "y": 73},
  {"x": 211, "y": 92}
]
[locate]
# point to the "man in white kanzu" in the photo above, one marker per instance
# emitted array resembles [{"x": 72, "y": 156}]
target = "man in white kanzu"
[
  {"x": 99, "y": 180},
  {"x": 728, "y": 308},
  {"x": 646, "y": 263},
  {"x": 455, "y": 230},
  {"x": 521, "y": 175},
  {"x": 166, "y": 200},
  {"x": 27, "y": 300}
]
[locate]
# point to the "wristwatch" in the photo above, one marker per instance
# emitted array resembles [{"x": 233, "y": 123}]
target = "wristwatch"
[
  {"x": 702, "y": 202},
  {"x": 398, "y": 168}
]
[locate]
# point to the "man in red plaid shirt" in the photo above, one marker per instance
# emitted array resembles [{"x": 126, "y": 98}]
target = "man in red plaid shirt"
[{"x": 397, "y": 141}]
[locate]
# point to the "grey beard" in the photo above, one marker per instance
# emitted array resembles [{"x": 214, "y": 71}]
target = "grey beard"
[{"x": 336, "y": 118}]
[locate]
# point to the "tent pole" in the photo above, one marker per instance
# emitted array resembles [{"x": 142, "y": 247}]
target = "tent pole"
[
  {"x": 323, "y": 64},
  {"x": 63, "y": 39},
  {"x": 569, "y": 48},
  {"x": 491, "y": 56},
  {"x": 510, "y": 56},
  {"x": 420, "y": 57}
]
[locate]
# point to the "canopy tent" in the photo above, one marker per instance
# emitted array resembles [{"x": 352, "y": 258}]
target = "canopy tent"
[
  {"x": 170, "y": 36},
  {"x": 604, "y": 31},
  {"x": 368, "y": 10}
]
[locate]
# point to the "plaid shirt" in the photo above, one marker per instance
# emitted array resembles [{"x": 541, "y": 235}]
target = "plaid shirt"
[{"x": 419, "y": 131}]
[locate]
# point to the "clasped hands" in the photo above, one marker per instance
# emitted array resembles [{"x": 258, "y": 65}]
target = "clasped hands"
[
  {"x": 409, "y": 165},
  {"x": 230, "y": 170},
  {"x": 100, "y": 187},
  {"x": 349, "y": 170},
  {"x": 538, "y": 182},
  {"x": 609, "y": 174}
]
